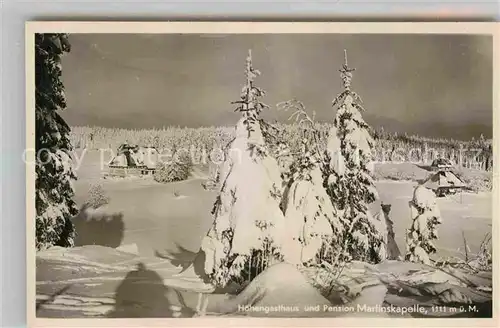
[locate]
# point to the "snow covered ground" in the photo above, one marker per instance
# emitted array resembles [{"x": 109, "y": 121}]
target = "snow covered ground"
[
  {"x": 95, "y": 281},
  {"x": 467, "y": 212},
  {"x": 165, "y": 223},
  {"x": 157, "y": 216}
]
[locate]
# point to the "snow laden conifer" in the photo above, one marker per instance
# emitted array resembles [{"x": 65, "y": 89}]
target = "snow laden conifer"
[
  {"x": 313, "y": 231},
  {"x": 53, "y": 168},
  {"x": 245, "y": 236},
  {"x": 425, "y": 217},
  {"x": 348, "y": 174}
]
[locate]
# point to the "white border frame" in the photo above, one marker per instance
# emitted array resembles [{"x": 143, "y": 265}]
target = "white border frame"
[{"x": 247, "y": 28}]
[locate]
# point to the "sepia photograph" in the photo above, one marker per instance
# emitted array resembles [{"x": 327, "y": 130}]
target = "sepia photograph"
[{"x": 265, "y": 174}]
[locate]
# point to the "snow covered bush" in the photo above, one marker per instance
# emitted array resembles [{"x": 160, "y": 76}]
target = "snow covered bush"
[
  {"x": 423, "y": 231},
  {"x": 97, "y": 196},
  {"x": 246, "y": 234},
  {"x": 53, "y": 167},
  {"x": 349, "y": 174},
  {"x": 484, "y": 259},
  {"x": 178, "y": 169}
]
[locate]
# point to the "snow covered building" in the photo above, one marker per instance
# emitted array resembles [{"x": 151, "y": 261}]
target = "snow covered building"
[
  {"x": 444, "y": 182},
  {"x": 133, "y": 160}
]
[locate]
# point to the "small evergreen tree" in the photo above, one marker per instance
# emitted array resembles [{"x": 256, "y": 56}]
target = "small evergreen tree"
[
  {"x": 53, "y": 168},
  {"x": 423, "y": 231},
  {"x": 178, "y": 169},
  {"x": 348, "y": 173},
  {"x": 312, "y": 225},
  {"x": 245, "y": 236},
  {"x": 483, "y": 153}
]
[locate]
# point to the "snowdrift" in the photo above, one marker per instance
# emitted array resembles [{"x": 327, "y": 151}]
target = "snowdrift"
[
  {"x": 95, "y": 281},
  {"x": 280, "y": 291}
]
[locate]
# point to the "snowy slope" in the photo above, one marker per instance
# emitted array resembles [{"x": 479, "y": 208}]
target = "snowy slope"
[{"x": 94, "y": 281}]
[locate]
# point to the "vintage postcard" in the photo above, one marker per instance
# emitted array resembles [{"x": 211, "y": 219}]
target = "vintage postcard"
[{"x": 261, "y": 174}]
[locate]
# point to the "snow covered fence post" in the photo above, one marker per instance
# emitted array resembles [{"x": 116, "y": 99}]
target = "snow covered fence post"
[
  {"x": 53, "y": 168},
  {"x": 348, "y": 173},
  {"x": 245, "y": 237},
  {"x": 423, "y": 231}
]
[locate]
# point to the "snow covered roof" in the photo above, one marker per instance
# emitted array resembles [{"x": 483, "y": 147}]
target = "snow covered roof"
[
  {"x": 130, "y": 156},
  {"x": 443, "y": 179}
]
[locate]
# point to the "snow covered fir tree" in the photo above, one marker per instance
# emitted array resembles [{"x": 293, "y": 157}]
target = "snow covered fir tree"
[
  {"x": 54, "y": 173},
  {"x": 423, "y": 231},
  {"x": 348, "y": 174},
  {"x": 248, "y": 222},
  {"x": 312, "y": 226}
]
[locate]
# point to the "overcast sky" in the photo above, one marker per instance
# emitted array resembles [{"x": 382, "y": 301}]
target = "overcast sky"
[{"x": 434, "y": 85}]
